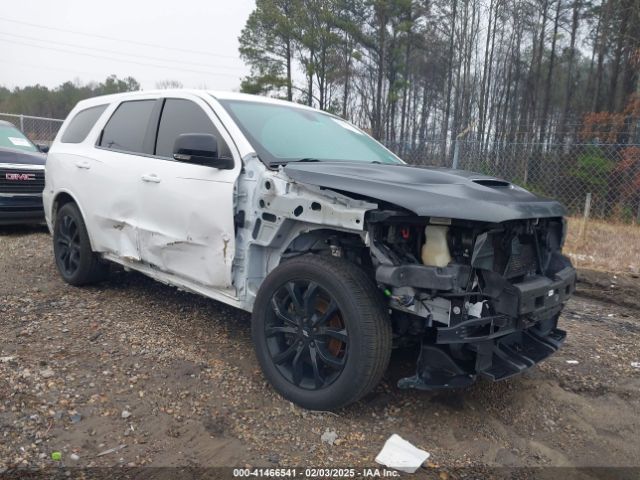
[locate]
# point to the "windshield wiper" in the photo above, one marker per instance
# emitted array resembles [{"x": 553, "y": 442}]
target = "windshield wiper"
[{"x": 285, "y": 162}]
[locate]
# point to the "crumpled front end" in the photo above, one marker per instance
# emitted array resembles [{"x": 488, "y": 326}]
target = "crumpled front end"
[{"x": 483, "y": 299}]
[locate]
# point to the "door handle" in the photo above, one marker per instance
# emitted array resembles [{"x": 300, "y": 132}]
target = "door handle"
[
  {"x": 151, "y": 178},
  {"x": 83, "y": 164}
]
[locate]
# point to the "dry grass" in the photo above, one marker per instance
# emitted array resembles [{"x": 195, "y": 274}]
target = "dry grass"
[{"x": 611, "y": 247}]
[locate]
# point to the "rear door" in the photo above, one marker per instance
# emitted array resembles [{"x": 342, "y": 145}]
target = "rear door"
[
  {"x": 112, "y": 192},
  {"x": 186, "y": 223}
]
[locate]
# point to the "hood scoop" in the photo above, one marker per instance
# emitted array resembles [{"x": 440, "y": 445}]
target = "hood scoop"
[{"x": 492, "y": 183}]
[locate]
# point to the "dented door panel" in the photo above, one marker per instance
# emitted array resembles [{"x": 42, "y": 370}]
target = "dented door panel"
[
  {"x": 111, "y": 199},
  {"x": 186, "y": 221}
]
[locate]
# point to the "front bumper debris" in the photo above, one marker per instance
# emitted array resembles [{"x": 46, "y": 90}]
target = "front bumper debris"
[
  {"x": 522, "y": 333},
  {"x": 494, "y": 360}
]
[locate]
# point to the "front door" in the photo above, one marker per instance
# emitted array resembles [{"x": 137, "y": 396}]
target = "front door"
[{"x": 186, "y": 222}]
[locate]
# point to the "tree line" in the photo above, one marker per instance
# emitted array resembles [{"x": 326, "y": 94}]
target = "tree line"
[
  {"x": 41, "y": 101},
  {"x": 419, "y": 71}
]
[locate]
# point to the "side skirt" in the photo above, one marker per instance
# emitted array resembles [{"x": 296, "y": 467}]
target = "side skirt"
[{"x": 226, "y": 296}]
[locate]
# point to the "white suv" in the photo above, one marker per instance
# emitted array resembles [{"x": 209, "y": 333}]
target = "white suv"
[{"x": 339, "y": 249}]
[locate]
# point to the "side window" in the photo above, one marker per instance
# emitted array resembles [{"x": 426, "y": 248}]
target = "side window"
[
  {"x": 127, "y": 127},
  {"x": 184, "y": 116},
  {"x": 81, "y": 124}
]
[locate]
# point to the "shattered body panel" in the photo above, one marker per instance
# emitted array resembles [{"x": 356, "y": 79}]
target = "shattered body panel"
[{"x": 276, "y": 212}]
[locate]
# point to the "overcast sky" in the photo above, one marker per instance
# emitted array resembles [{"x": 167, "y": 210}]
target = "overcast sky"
[{"x": 192, "y": 41}]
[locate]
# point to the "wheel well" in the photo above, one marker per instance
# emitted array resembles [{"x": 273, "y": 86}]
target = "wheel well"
[
  {"x": 61, "y": 199},
  {"x": 329, "y": 242}
]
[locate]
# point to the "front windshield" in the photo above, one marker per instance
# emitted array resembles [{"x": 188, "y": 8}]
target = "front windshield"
[
  {"x": 282, "y": 134},
  {"x": 11, "y": 137}
]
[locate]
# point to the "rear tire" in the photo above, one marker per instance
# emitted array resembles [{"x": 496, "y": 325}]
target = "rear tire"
[
  {"x": 77, "y": 263},
  {"x": 321, "y": 332}
]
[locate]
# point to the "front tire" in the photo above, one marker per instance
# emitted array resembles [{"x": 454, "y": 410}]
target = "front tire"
[
  {"x": 321, "y": 332},
  {"x": 77, "y": 263}
]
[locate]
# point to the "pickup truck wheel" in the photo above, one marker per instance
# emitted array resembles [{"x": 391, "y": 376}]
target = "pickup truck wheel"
[
  {"x": 321, "y": 332},
  {"x": 76, "y": 262}
]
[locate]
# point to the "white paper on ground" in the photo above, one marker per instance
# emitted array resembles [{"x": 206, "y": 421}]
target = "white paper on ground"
[{"x": 399, "y": 454}]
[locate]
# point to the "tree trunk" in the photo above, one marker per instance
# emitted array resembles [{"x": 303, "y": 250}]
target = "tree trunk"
[
  {"x": 403, "y": 114},
  {"x": 616, "y": 101},
  {"x": 289, "y": 83},
  {"x": 596, "y": 106},
  {"x": 382, "y": 30},
  {"x": 347, "y": 69},
  {"x": 485, "y": 68},
  {"x": 568, "y": 89},
  {"x": 547, "y": 90},
  {"x": 445, "y": 122}
]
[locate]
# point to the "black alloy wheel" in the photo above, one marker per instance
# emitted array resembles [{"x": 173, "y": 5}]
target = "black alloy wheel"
[
  {"x": 306, "y": 336},
  {"x": 68, "y": 246},
  {"x": 321, "y": 331}
]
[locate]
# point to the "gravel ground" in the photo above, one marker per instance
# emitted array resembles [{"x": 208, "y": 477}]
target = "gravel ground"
[{"x": 170, "y": 379}]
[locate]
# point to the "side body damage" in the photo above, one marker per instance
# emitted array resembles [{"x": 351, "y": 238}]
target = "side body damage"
[{"x": 481, "y": 297}]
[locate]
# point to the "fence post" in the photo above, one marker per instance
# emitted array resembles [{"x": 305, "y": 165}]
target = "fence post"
[
  {"x": 585, "y": 218},
  {"x": 22, "y": 123},
  {"x": 456, "y": 153}
]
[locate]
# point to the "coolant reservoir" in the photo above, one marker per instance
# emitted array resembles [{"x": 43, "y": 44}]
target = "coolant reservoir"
[{"x": 435, "y": 251}]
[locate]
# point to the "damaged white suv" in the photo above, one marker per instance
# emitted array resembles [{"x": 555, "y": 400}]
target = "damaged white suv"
[{"x": 340, "y": 249}]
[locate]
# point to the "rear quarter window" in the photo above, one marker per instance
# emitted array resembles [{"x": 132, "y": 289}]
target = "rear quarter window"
[{"x": 81, "y": 124}]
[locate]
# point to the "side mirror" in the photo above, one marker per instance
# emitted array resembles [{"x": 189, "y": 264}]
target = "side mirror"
[
  {"x": 42, "y": 148},
  {"x": 201, "y": 149}
]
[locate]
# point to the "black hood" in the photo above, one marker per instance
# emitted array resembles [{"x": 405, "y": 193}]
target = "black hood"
[
  {"x": 429, "y": 191},
  {"x": 10, "y": 155}
]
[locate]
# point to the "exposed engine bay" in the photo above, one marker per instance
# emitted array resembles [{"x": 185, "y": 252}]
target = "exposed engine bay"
[
  {"x": 470, "y": 266},
  {"x": 482, "y": 298}
]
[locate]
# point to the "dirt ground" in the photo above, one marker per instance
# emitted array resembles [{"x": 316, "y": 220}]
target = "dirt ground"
[{"x": 169, "y": 378}]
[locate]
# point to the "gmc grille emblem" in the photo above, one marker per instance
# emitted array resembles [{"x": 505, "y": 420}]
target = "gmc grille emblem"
[{"x": 20, "y": 176}]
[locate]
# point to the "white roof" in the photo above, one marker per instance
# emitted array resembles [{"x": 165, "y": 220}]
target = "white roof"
[
  {"x": 255, "y": 98},
  {"x": 219, "y": 95}
]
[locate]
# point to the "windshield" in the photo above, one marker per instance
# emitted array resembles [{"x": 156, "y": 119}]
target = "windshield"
[
  {"x": 11, "y": 137},
  {"x": 282, "y": 134}
]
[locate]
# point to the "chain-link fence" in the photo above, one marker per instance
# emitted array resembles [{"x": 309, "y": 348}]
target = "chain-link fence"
[
  {"x": 39, "y": 130},
  {"x": 609, "y": 172},
  {"x": 568, "y": 172}
]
